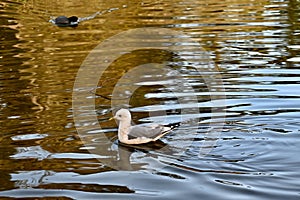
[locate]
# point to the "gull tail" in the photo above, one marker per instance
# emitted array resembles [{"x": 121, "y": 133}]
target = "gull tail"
[
  {"x": 173, "y": 125},
  {"x": 167, "y": 129}
]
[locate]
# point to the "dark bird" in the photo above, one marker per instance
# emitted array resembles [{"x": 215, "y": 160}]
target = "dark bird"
[{"x": 63, "y": 21}]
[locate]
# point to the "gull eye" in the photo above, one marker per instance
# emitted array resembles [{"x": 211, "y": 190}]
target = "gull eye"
[{"x": 119, "y": 115}]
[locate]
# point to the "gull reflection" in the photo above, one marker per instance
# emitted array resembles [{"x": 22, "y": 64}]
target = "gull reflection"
[{"x": 136, "y": 157}]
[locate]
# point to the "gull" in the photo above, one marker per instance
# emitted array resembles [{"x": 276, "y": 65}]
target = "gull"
[{"x": 138, "y": 134}]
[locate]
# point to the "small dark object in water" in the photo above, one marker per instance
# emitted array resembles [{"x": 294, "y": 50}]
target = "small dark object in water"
[{"x": 64, "y": 21}]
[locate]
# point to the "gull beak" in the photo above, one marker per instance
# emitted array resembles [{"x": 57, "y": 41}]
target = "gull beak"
[{"x": 111, "y": 118}]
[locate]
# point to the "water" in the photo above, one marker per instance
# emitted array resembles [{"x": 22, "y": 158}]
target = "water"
[{"x": 239, "y": 137}]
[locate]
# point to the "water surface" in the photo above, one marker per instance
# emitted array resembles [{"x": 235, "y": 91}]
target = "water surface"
[{"x": 249, "y": 143}]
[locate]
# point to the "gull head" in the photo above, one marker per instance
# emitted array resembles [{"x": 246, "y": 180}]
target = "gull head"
[{"x": 123, "y": 115}]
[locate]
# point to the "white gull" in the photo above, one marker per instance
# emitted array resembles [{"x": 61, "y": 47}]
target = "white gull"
[{"x": 138, "y": 134}]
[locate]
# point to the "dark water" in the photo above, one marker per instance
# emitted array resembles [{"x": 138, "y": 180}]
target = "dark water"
[{"x": 239, "y": 137}]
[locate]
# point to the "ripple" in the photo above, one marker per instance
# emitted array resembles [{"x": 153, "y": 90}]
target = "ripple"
[
  {"x": 34, "y": 136},
  {"x": 294, "y": 59}
]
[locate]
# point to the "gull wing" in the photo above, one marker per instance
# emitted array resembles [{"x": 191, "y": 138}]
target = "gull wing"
[{"x": 148, "y": 131}]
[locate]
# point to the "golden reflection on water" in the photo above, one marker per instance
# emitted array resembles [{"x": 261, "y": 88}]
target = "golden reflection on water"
[{"x": 53, "y": 54}]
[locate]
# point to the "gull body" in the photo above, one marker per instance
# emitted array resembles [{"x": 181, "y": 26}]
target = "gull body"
[{"x": 138, "y": 134}]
